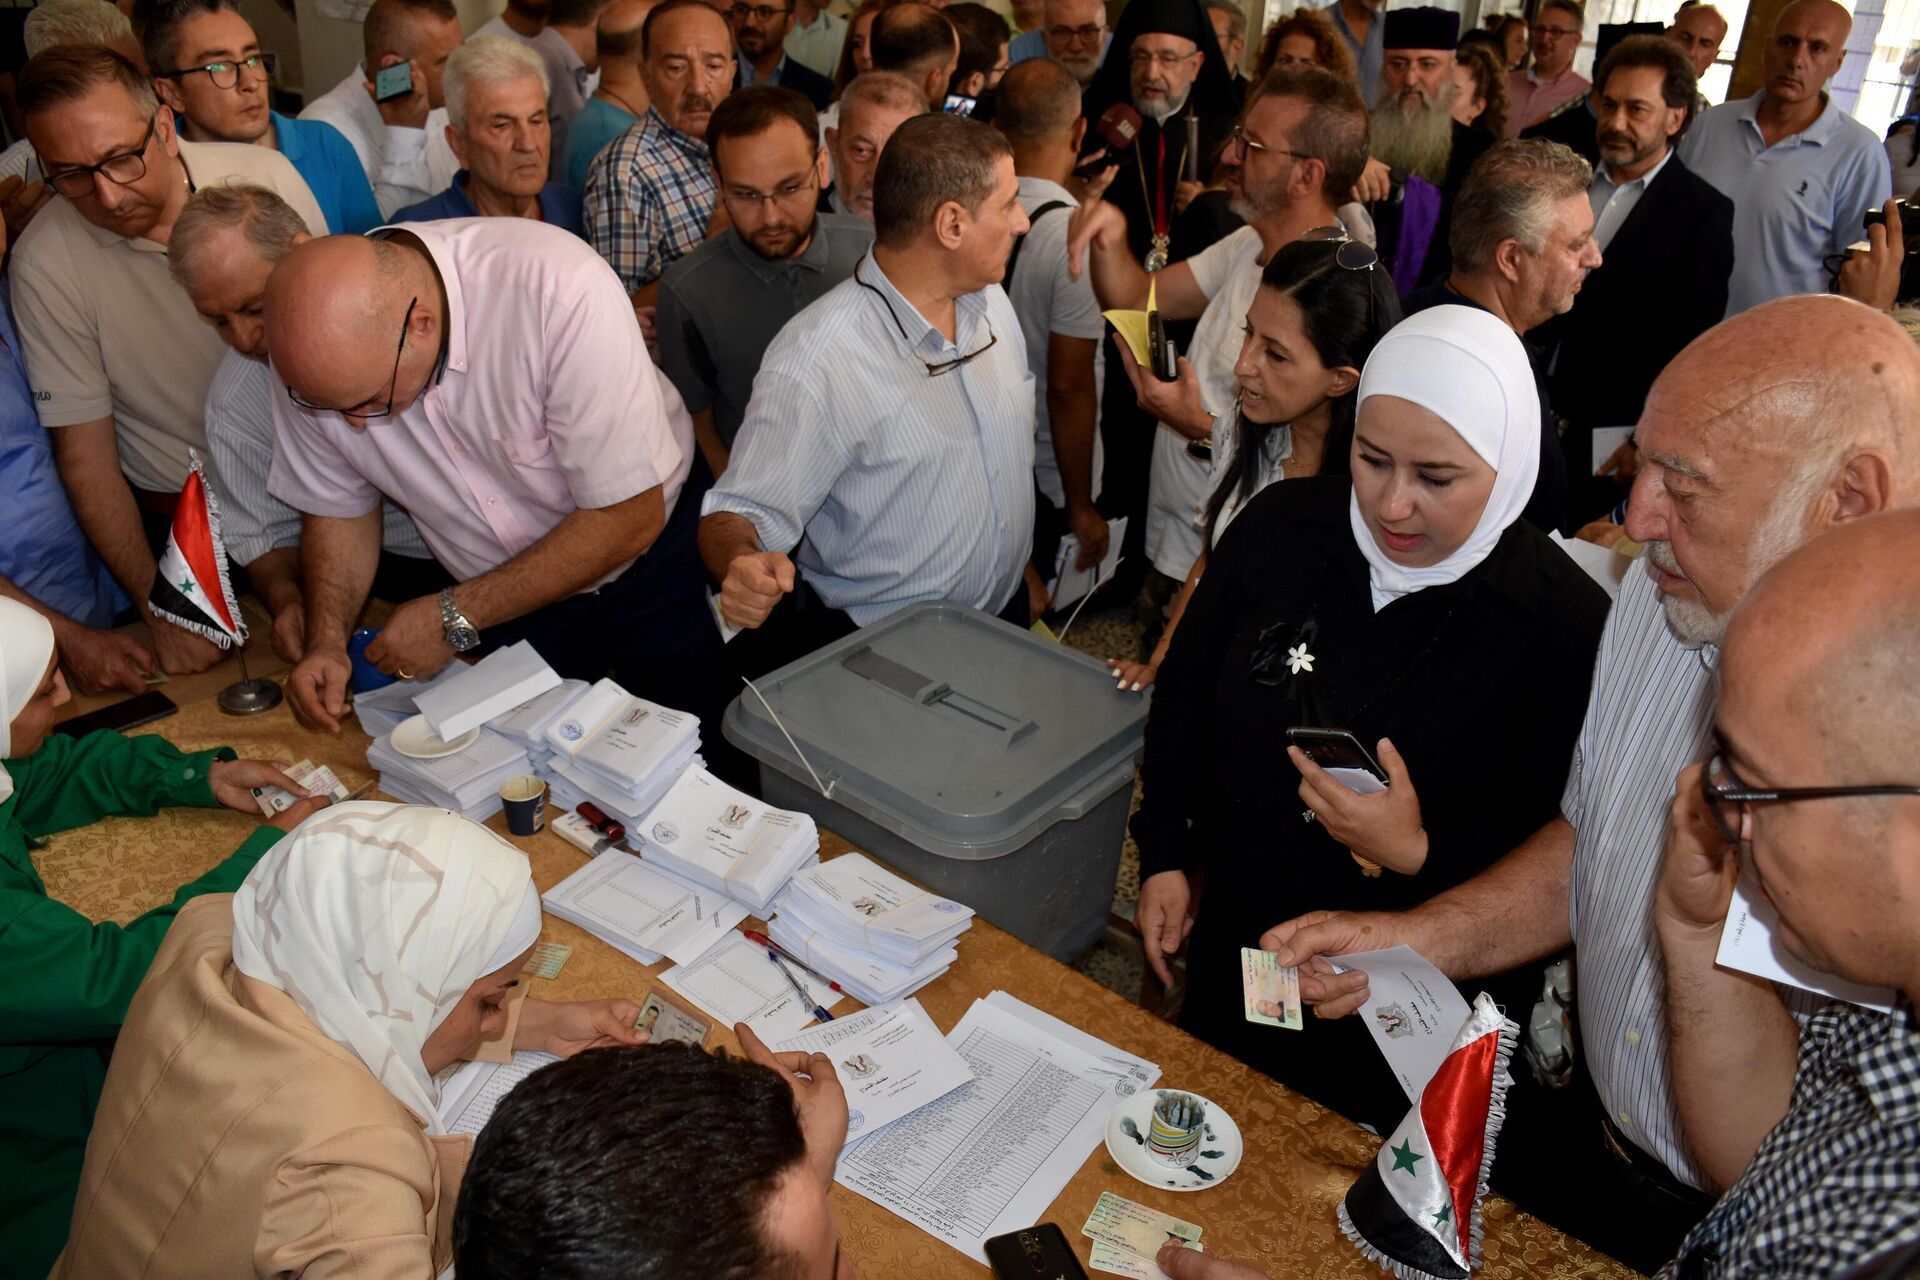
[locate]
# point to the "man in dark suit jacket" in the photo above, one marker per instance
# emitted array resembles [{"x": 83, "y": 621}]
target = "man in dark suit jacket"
[
  {"x": 760, "y": 32},
  {"x": 1666, "y": 235}
]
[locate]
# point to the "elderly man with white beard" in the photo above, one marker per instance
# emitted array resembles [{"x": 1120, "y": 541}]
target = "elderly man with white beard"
[{"x": 1421, "y": 154}]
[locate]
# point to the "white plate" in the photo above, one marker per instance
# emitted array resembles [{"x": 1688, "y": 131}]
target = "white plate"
[
  {"x": 1220, "y": 1146},
  {"x": 415, "y": 738}
]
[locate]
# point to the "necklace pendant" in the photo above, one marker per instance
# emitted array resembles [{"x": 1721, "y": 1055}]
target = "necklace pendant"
[{"x": 1157, "y": 255}]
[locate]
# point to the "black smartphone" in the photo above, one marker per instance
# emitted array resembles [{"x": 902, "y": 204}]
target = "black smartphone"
[
  {"x": 1340, "y": 754},
  {"x": 392, "y": 82},
  {"x": 1161, "y": 349},
  {"x": 959, "y": 104},
  {"x": 1038, "y": 1253},
  {"x": 127, "y": 714}
]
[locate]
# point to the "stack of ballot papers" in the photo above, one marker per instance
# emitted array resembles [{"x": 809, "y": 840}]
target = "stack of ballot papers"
[
  {"x": 879, "y": 936},
  {"x": 526, "y": 725},
  {"x": 468, "y": 781},
  {"x": 643, "y": 911},
  {"x": 619, "y": 751},
  {"x": 706, "y": 832},
  {"x": 385, "y": 709}
]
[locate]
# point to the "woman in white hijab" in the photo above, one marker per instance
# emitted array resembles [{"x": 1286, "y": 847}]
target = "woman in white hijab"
[
  {"x": 1443, "y": 642},
  {"x": 272, "y": 1107},
  {"x": 69, "y": 978}
]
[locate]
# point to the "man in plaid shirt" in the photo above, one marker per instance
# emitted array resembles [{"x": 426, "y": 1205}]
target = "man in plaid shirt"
[
  {"x": 1816, "y": 782},
  {"x": 650, "y": 194}
]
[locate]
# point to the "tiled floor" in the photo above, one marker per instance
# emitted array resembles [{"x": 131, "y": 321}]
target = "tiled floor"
[{"x": 1115, "y": 962}]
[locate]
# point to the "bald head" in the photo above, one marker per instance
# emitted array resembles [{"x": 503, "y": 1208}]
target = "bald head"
[
  {"x": 1808, "y": 43},
  {"x": 334, "y": 312},
  {"x": 1770, "y": 427}
]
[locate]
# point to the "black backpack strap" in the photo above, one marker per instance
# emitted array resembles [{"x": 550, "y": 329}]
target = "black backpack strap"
[{"x": 1013, "y": 258}]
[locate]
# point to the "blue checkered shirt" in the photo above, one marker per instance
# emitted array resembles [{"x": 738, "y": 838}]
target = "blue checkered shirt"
[
  {"x": 1837, "y": 1181},
  {"x": 650, "y": 194}
]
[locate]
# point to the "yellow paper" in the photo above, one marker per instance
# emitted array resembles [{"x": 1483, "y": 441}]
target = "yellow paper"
[{"x": 1132, "y": 326}]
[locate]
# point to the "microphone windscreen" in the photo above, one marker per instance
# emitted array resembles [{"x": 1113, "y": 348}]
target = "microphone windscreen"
[{"x": 1118, "y": 126}]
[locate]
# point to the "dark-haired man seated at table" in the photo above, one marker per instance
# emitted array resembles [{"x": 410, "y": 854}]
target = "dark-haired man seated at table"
[{"x": 754, "y": 1203}]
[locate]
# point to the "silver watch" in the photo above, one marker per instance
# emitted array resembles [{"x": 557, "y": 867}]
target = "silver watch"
[{"x": 461, "y": 634}]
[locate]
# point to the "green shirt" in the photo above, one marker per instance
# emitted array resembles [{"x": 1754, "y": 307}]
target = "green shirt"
[{"x": 67, "y": 979}]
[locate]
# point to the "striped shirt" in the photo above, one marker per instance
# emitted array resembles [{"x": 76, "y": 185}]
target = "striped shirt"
[
  {"x": 649, "y": 197},
  {"x": 907, "y": 487},
  {"x": 240, "y": 438},
  {"x": 1649, "y": 715}
]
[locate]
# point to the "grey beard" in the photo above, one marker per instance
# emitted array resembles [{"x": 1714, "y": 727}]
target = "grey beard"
[
  {"x": 1420, "y": 143},
  {"x": 1161, "y": 110}
]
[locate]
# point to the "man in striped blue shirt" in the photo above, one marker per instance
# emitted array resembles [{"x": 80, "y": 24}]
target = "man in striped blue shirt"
[
  {"x": 1770, "y": 428},
  {"x": 891, "y": 424}
]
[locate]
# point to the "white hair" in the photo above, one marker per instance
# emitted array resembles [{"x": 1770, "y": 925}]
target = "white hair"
[
  {"x": 75, "y": 22},
  {"x": 489, "y": 60}
]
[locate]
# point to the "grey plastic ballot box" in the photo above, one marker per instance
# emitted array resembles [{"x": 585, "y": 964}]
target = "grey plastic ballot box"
[{"x": 990, "y": 764}]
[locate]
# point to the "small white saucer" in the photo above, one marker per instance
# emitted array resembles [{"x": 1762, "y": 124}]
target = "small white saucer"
[
  {"x": 1220, "y": 1146},
  {"x": 415, "y": 738}
]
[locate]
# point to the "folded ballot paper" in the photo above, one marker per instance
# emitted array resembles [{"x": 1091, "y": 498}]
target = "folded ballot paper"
[
  {"x": 497, "y": 683},
  {"x": 468, "y": 781},
  {"x": 708, "y": 833},
  {"x": 876, "y": 934}
]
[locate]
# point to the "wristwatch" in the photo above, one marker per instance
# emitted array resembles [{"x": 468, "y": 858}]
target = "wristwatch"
[{"x": 461, "y": 634}]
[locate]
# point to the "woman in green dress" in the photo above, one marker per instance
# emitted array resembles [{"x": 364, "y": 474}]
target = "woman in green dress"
[{"x": 65, "y": 980}]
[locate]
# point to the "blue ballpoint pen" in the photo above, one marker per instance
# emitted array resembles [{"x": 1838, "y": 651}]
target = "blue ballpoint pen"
[{"x": 798, "y": 990}]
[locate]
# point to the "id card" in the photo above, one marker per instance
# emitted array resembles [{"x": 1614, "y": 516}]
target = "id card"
[
  {"x": 665, "y": 1022},
  {"x": 1270, "y": 989},
  {"x": 1120, "y": 1223}
]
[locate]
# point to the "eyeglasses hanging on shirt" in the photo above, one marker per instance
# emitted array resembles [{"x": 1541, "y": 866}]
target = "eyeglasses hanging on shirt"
[{"x": 934, "y": 368}]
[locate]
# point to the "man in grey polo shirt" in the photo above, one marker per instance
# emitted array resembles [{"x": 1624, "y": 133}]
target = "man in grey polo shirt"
[
  {"x": 723, "y": 303},
  {"x": 1766, "y": 431},
  {"x": 1801, "y": 173}
]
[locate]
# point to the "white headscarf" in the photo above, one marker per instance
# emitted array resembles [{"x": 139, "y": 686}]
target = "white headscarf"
[
  {"x": 26, "y": 647},
  {"x": 1466, "y": 366},
  {"x": 376, "y": 918}
]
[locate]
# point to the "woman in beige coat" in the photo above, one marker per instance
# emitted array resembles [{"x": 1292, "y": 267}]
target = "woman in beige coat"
[{"x": 272, "y": 1108}]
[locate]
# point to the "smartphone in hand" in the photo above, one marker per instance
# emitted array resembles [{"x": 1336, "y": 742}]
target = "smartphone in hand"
[{"x": 1341, "y": 755}]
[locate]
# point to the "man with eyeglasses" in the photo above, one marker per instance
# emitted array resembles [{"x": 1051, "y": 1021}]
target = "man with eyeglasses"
[
  {"x": 1785, "y": 421},
  {"x": 208, "y": 67},
  {"x": 651, "y": 195},
  {"x": 890, "y": 434},
  {"x": 118, "y": 359},
  {"x": 722, "y": 304},
  {"x": 1073, "y": 33},
  {"x": 1550, "y": 85},
  {"x": 760, "y": 30},
  {"x": 498, "y": 126},
  {"x": 1283, "y": 192},
  {"x": 486, "y": 375},
  {"x": 1812, "y": 797}
]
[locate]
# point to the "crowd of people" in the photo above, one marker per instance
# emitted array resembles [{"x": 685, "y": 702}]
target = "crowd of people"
[{"x": 680, "y": 338}]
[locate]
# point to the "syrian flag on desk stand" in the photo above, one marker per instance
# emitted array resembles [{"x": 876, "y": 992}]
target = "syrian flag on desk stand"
[
  {"x": 1416, "y": 1210},
  {"x": 191, "y": 588}
]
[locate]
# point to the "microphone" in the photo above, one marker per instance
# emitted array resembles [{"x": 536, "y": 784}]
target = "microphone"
[{"x": 1117, "y": 127}]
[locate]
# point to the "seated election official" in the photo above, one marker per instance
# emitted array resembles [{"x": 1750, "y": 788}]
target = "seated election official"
[
  {"x": 70, "y": 978},
  {"x": 272, "y": 1107},
  {"x": 768, "y": 1130},
  {"x": 1812, "y": 792},
  {"x": 224, "y": 246},
  {"x": 1407, "y": 607},
  {"x": 890, "y": 434},
  {"x": 487, "y": 375}
]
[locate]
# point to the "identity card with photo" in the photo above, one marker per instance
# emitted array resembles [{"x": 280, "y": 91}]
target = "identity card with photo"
[{"x": 1271, "y": 989}]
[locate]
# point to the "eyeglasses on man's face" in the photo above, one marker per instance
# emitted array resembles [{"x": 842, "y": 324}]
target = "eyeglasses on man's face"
[
  {"x": 758, "y": 12},
  {"x": 1245, "y": 141},
  {"x": 1732, "y": 800},
  {"x": 1556, "y": 33},
  {"x": 788, "y": 196},
  {"x": 362, "y": 410},
  {"x": 1076, "y": 35},
  {"x": 226, "y": 74},
  {"x": 1141, "y": 58},
  {"x": 123, "y": 168}
]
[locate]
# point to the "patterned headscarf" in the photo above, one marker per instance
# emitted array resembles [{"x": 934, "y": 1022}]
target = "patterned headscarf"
[
  {"x": 376, "y": 918},
  {"x": 26, "y": 647}
]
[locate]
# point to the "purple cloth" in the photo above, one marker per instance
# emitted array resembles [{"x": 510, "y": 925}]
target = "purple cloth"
[{"x": 1420, "y": 204}]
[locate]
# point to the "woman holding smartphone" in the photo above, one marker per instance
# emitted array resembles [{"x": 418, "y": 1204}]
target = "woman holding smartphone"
[{"x": 1408, "y": 606}]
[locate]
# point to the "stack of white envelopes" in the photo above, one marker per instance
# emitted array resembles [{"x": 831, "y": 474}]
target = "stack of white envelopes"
[
  {"x": 468, "y": 781},
  {"x": 619, "y": 751},
  {"x": 712, "y": 835},
  {"x": 879, "y": 936},
  {"x": 526, "y": 725}
]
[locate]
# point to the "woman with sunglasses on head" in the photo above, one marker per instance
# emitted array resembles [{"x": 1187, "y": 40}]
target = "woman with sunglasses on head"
[
  {"x": 1405, "y": 605},
  {"x": 1312, "y": 324}
]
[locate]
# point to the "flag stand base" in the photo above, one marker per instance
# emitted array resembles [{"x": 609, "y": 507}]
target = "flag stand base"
[{"x": 249, "y": 697}]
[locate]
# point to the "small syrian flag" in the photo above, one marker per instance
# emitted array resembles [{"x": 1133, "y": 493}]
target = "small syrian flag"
[
  {"x": 191, "y": 589},
  {"x": 1416, "y": 1211}
]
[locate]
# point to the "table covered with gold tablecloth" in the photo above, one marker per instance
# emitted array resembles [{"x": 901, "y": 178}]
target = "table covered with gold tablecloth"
[{"x": 1276, "y": 1211}]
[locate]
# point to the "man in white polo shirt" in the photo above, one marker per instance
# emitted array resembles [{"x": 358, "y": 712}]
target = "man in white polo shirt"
[
  {"x": 118, "y": 359},
  {"x": 1801, "y": 173}
]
